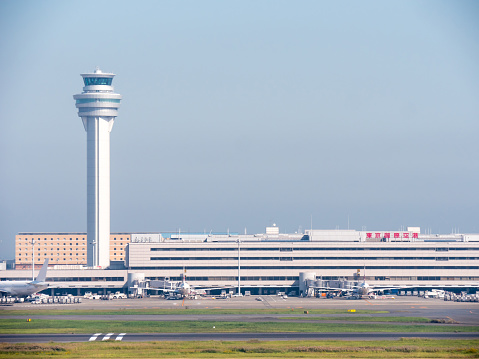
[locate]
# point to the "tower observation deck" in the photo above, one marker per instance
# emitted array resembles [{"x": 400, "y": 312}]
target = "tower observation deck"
[{"x": 98, "y": 106}]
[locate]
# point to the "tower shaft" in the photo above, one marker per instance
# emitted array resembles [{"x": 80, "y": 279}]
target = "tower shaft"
[
  {"x": 98, "y": 106},
  {"x": 98, "y": 189}
]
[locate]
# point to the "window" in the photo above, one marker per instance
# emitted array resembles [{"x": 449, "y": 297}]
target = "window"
[{"x": 95, "y": 81}]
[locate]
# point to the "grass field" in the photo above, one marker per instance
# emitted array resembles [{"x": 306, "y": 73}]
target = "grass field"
[
  {"x": 405, "y": 348},
  {"x": 359, "y": 321},
  {"x": 364, "y": 319},
  {"x": 21, "y": 326}
]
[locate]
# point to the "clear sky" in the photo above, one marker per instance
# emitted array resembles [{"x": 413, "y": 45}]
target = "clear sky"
[{"x": 240, "y": 114}]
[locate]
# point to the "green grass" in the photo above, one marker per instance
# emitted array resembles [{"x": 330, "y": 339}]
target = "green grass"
[
  {"x": 184, "y": 310},
  {"x": 19, "y": 326},
  {"x": 405, "y": 348},
  {"x": 365, "y": 319}
]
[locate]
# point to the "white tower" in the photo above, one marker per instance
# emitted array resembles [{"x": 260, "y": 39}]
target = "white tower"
[{"x": 98, "y": 106}]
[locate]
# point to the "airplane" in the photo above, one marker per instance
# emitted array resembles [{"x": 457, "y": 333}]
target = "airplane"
[
  {"x": 363, "y": 289},
  {"x": 360, "y": 291},
  {"x": 182, "y": 289},
  {"x": 25, "y": 288}
]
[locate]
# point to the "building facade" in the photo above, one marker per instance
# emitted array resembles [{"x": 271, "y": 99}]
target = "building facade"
[
  {"x": 261, "y": 263},
  {"x": 276, "y": 261},
  {"x": 63, "y": 249}
]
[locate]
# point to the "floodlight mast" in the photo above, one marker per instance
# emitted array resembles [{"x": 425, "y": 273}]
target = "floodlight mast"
[{"x": 98, "y": 107}]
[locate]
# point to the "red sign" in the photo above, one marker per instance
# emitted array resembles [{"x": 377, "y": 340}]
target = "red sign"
[
  {"x": 378, "y": 235},
  {"x": 415, "y": 235},
  {"x": 396, "y": 235},
  {"x": 406, "y": 235},
  {"x": 387, "y": 235},
  {"x": 369, "y": 235}
]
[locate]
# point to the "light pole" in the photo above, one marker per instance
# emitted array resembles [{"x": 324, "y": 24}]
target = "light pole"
[
  {"x": 33, "y": 258},
  {"x": 239, "y": 267}
]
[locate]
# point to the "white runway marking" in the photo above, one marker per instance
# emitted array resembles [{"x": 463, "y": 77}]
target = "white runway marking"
[
  {"x": 93, "y": 338},
  {"x": 106, "y": 337}
]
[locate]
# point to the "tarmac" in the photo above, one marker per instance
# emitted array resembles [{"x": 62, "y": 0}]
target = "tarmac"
[
  {"x": 464, "y": 313},
  {"x": 455, "y": 313}
]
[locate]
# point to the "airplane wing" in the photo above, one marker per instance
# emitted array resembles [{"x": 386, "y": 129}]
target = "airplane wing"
[
  {"x": 213, "y": 288},
  {"x": 162, "y": 289},
  {"x": 162, "y": 286},
  {"x": 333, "y": 289}
]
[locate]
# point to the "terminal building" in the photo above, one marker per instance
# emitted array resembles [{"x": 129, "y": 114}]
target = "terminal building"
[{"x": 259, "y": 263}]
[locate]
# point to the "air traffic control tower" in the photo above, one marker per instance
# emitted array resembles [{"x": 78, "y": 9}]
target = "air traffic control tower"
[{"x": 98, "y": 106}]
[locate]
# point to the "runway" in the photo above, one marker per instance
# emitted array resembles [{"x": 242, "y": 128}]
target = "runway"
[
  {"x": 466, "y": 313},
  {"x": 146, "y": 337},
  {"x": 297, "y": 309}
]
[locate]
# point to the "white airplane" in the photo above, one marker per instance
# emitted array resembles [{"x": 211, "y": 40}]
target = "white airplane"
[
  {"x": 181, "y": 290},
  {"x": 25, "y": 288},
  {"x": 363, "y": 289}
]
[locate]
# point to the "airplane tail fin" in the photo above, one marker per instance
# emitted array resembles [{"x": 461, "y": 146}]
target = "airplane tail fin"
[{"x": 43, "y": 272}]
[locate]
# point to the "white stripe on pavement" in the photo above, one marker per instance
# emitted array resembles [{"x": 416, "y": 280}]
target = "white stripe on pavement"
[
  {"x": 93, "y": 338},
  {"x": 120, "y": 336},
  {"x": 108, "y": 336}
]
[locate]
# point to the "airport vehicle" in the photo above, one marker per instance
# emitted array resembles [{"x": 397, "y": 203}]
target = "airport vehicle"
[
  {"x": 119, "y": 295},
  {"x": 90, "y": 295},
  {"x": 434, "y": 293},
  {"x": 25, "y": 288},
  {"x": 116, "y": 295}
]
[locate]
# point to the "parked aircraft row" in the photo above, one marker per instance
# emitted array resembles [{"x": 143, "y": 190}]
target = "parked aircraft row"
[{"x": 184, "y": 290}]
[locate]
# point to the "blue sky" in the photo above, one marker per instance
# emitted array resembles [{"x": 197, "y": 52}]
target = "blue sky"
[{"x": 237, "y": 115}]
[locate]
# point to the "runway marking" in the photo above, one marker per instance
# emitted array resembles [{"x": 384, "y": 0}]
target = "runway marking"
[
  {"x": 106, "y": 337},
  {"x": 120, "y": 336},
  {"x": 183, "y": 303},
  {"x": 422, "y": 307},
  {"x": 93, "y": 338}
]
